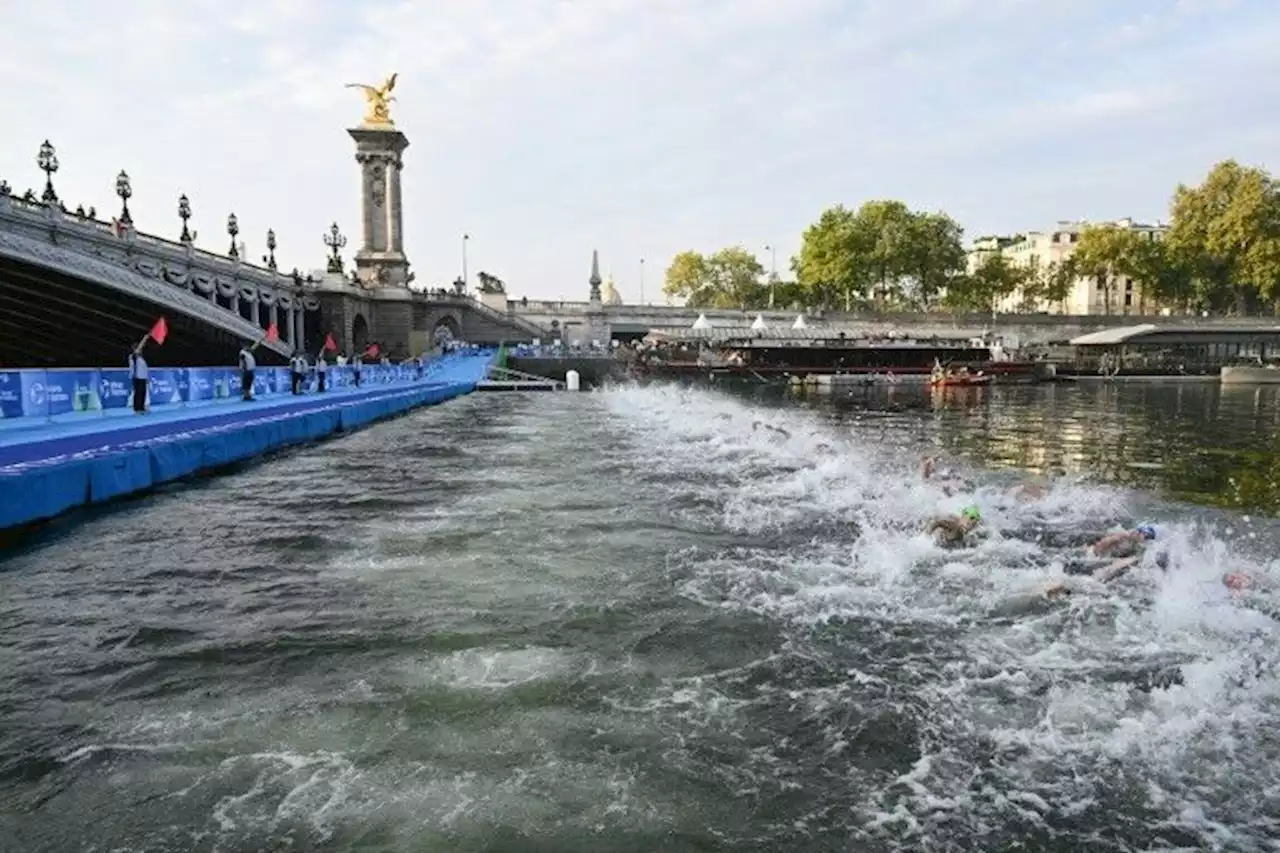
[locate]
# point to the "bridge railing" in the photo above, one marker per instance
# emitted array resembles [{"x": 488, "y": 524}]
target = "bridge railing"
[{"x": 39, "y": 396}]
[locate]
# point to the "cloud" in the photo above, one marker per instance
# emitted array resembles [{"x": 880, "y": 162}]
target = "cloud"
[{"x": 546, "y": 128}]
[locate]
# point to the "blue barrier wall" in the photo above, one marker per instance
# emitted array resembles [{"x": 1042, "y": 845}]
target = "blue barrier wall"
[
  {"x": 77, "y": 392},
  {"x": 74, "y": 454}
]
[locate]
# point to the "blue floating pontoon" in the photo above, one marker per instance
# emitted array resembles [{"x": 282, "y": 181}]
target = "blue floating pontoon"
[{"x": 53, "y": 464}]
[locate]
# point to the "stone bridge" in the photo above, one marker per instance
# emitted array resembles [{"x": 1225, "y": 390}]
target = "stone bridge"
[
  {"x": 77, "y": 291},
  {"x": 583, "y": 321}
]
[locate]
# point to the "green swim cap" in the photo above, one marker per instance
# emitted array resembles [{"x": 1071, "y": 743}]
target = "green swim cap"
[{"x": 972, "y": 512}]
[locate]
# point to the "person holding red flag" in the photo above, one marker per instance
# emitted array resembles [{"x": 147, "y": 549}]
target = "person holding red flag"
[
  {"x": 139, "y": 372},
  {"x": 322, "y": 366}
]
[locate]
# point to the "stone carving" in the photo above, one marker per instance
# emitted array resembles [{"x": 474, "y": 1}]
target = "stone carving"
[
  {"x": 491, "y": 283},
  {"x": 378, "y": 184},
  {"x": 377, "y": 100}
]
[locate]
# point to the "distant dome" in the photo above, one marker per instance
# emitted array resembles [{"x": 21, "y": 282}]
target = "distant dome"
[{"x": 611, "y": 296}]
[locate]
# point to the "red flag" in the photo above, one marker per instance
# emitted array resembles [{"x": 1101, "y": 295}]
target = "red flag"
[
  {"x": 372, "y": 351},
  {"x": 159, "y": 331},
  {"x": 273, "y": 334},
  {"x": 329, "y": 343}
]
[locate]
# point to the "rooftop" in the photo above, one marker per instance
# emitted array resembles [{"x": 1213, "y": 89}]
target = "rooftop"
[{"x": 1149, "y": 332}]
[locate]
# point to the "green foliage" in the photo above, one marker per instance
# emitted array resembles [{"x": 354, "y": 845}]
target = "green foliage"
[
  {"x": 729, "y": 278},
  {"x": 882, "y": 252},
  {"x": 995, "y": 278},
  {"x": 1226, "y": 238},
  {"x": 1222, "y": 254}
]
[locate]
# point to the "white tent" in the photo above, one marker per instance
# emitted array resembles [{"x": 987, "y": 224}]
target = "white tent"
[
  {"x": 759, "y": 325},
  {"x": 799, "y": 323},
  {"x": 701, "y": 322}
]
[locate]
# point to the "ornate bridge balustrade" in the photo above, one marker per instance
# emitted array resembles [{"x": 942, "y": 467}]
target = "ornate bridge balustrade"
[{"x": 73, "y": 286}]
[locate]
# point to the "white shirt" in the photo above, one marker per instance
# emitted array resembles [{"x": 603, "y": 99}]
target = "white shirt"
[
  {"x": 247, "y": 361},
  {"x": 137, "y": 366},
  {"x": 321, "y": 365}
]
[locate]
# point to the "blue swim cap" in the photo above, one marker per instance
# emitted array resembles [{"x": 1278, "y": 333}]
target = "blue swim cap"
[{"x": 1146, "y": 531}]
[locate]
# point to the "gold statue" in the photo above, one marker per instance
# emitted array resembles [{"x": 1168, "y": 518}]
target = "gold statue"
[{"x": 376, "y": 100}]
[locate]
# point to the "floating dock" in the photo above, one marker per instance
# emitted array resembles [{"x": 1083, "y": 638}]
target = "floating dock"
[{"x": 49, "y": 466}]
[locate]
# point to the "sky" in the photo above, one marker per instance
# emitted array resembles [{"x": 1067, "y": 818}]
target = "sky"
[{"x": 549, "y": 128}]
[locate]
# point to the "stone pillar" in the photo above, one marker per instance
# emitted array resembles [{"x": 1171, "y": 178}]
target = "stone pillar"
[
  {"x": 275, "y": 315},
  {"x": 380, "y": 260},
  {"x": 255, "y": 312},
  {"x": 299, "y": 338},
  {"x": 395, "y": 240}
]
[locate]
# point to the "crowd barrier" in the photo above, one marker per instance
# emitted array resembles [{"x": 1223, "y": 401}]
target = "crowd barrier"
[{"x": 71, "y": 393}]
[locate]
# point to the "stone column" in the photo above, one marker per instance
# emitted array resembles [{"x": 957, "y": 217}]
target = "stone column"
[
  {"x": 299, "y": 339},
  {"x": 275, "y": 314},
  {"x": 380, "y": 261},
  {"x": 395, "y": 241},
  {"x": 255, "y": 312}
]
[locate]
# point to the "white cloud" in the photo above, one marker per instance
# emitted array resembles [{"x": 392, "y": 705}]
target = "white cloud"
[{"x": 546, "y": 128}]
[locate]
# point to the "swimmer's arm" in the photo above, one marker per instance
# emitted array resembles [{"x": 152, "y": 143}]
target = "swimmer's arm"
[
  {"x": 1114, "y": 569},
  {"x": 946, "y": 525}
]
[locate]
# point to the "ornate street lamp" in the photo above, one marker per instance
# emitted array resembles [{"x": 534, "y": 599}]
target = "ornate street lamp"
[
  {"x": 233, "y": 228},
  {"x": 124, "y": 189},
  {"x": 270, "y": 257},
  {"x": 47, "y": 160},
  {"x": 335, "y": 240},
  {"x": 184, "y": 213}
]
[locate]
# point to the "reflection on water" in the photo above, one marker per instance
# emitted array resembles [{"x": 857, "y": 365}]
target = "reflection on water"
[{"x": 1198, "y": 442}]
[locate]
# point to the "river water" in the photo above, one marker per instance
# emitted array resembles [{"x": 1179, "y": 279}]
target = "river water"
[{"x": 640, "y": 619}]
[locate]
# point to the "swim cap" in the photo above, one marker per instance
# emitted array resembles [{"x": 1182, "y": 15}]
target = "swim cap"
[
  {"x": 972, "y": 512},
  {"x": 1146, "y": 531}
]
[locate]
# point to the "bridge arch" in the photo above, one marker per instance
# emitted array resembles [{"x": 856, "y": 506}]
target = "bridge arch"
[
  {"x": 359, "y": 334},
  {"x": 447, "y": 328}
]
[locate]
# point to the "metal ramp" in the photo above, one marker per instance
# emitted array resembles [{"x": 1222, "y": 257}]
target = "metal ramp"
[{"x": 506, "y": 379}]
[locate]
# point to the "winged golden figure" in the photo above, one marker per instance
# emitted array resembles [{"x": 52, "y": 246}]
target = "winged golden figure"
[{"x": 377, "y": 99}]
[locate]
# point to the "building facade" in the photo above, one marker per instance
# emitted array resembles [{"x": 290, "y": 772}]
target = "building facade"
[{"x": 1047, "y": 250}]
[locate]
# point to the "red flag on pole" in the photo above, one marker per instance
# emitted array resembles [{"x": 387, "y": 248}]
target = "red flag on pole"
[
  {"x": 273, "y": 334},
  {"x": 372, "y": 351},
  {"x": 159, "y": 331},
  {"x": 329, "y": 343}
]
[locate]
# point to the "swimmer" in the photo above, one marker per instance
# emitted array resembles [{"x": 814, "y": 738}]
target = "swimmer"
[
  {"x": 757, "y": 425},
  {"x": 1028, "y": 492},
  {"x": 946, "y": 478},
  {"x": 1126, "y": 543},
  {"x": 955, "y": 529}
]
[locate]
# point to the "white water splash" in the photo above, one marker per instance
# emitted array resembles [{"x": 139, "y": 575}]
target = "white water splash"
[{"x": 1059, "y": 693}]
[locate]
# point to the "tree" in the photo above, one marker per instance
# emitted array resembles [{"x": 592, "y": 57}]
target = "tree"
[
  {"x": 1226, "y": 233},
  {"x": 1105, "y": 253},
  {"x": 687, "y": 279},
  {"x": 882, "y": 250},
  {"x": 834, "y": 259},
  {"x": 934, "y": 256},
  {"x": 729, "y": 278},
  {"x": 994, "y": 278}
]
